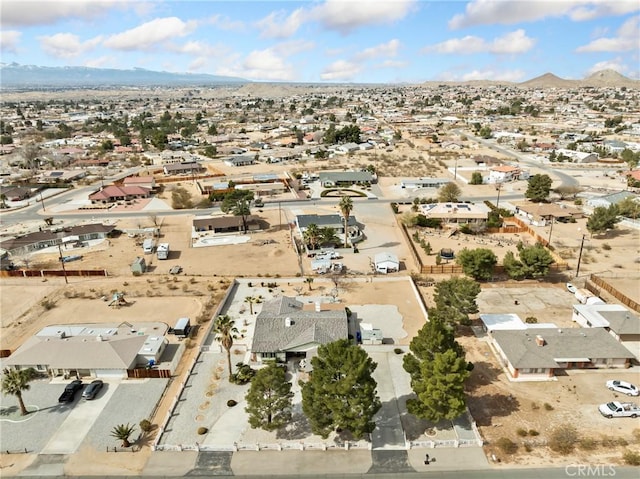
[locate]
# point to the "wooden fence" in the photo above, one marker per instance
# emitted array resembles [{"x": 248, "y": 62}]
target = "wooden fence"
[
  {"x": 5, "y": 353},
  {"x": 595, "y": 284},
  {"x": 141, "y": 373},
  {"x": 41, "y": 273},
  {"x": 441, "y": 269}
]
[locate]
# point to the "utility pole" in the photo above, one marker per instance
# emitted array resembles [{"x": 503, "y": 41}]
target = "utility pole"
[
  {"x": 550, "y": 231},
  {"x": 64, "y": 271},
  {"x": 279, "y": 217},
  {"x": 42, "y": 201},
  {"x": 499, "y": 188},
  {"x": 580, "y": 255}
]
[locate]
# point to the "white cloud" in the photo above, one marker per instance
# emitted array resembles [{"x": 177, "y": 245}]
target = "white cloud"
[
  {"x": 393, "y": 64},
  {"x": 148, "y": 35},
  {"x": 487, "y": 74},
  {"x": 67, "y": 45},
  {"x": 264, "y": 64},
  {"x": 506, "y": 12},
  {"x": 225, "y": 23},
  {"x": 512, "y": 42},
  {"x": 9, "y": 40},
  {"x": 279, "y": 25},
  {"x": 389, "y": 49},
  {"x": 613, "y": 64},
  {"x": 293, "y": 47},
  {"x": 100, "y": 62},
  {"x": 628, "y": 39},
  {"x": 341, "y": 70},
  {"x": 346, "y": 16},
  {"x": 43, "y": 12},
  {"x": 199, "y": 49}
]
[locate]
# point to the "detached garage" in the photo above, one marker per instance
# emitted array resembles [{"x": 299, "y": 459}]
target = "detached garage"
[{"x": 386, "y": 263}]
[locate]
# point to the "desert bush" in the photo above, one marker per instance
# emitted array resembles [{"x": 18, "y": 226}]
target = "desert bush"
[
  {"x": 588, "y": 444},
  {"x": 47, "y": 304},
  {"x": 606, "y": 246},
  {"x": 202, "y": 430},
  {"x": 398, "y": 351},
  {"x": 631, "y": 458},
  {"x": 145, "y": 425},
  {"x": 610, "y": 441},
  {"x": 636, "y": 434},
  {"x": 563, "y": 439},
  {"x": 232, "y": 402},
  {"x": 533, "y": 432},
  {"x": 522, "y": 432},
  {"x": 548, "y": 407},
  {"x": 506, "y": 445},
  {"x": 534, "y": 406},
  {"x": 528, "y": 447}
]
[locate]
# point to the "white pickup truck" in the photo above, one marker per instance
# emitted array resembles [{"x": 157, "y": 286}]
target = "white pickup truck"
[{"x": 619, "y": 409}]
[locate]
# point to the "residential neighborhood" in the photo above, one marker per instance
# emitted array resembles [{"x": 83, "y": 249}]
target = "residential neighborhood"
[{"x": 338, "y": 245}]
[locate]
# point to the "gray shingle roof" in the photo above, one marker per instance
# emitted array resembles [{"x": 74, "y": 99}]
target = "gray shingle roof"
[
  {"x": 305, "y": 327},
  {"x": 622, "y": 322},
  {"x": 521, "y": 349}
]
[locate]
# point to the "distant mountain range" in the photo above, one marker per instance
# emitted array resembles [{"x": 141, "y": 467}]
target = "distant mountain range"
[
  {"x": 16, "y": 76},
  {"x": 610, "y": 78}
]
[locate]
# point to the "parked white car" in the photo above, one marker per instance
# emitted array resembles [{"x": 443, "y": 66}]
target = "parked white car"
[
  {"x": 623, "y": 387},
  {"x": 571, "y": 288}
]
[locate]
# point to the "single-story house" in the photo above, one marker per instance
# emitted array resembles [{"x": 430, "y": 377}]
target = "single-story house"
[
  {"x": 578, "y": 156},
  {"x": 347, "y": 148},
  {"x": 43, "y": 239},
  {"x": 242, "y": 160},
  {"x": 508, "y": 321},
  {"x": 16, "y": 193},
  {"x": 287, "y": 328},
  {"x": 457, "y": 213},
  {"x": 331, "y": 221},
  {"x": 423, "y": 182},
  {"x": 617, "y": 320},
  {"x": 191, "y": 167},
  {"x": 346, "y": 178},
  {"x": 225, "y": 224},
  {"x": 61, "y": 176},
  {"x": 386, "y": 263},
  {"x": 90, "y": 350},
  {"x": 113, "y": 193},
  {"x": 540, "y": 214},
  {"x": 145, "y": 181},
  {"x": 612, "y": 199},
  {"x": 535, "y": 354}
]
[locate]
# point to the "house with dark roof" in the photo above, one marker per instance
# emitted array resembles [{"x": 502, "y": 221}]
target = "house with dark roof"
[
  {"x": 287, "y": 328},
  {"x": 535, "y": 354},
  {"x": 185, "y": 168},
  {"x": 226, "y": 224},
  {"x": 332, "y": 221},
  {"x": 241, "y": 160}
]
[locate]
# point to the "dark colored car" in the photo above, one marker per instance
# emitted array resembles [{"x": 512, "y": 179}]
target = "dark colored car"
[
  {"x": 92, "y": 389},
  {"x": 70, "y": 390}
]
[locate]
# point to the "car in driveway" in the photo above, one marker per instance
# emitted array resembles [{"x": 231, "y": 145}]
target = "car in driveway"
[
  {"x": 571, "y": 288},
  {"x": 92, "y": 389},
  {"x": 623, "y": 387},
  {"x": 70, "y": 390},
  {"x": 619, "y": 409}
]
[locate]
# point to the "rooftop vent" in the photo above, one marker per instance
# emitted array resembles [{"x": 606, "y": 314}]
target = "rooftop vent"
[
  {"x": 287, "y": 322},
  {"x": 539, "y": 340}
]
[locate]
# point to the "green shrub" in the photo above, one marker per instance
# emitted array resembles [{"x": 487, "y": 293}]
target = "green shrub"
[
  {"x": 202, "y": 430},
  {"x": 398, "y": 351},
  {"x": 606, "y": 246},
  {"x": 548, "y": 407},
  {"x": 528, "y": 447},
  {"x": 631, "y": 458},
  {"x": 588, "y": 444},
  {"x": 243, "y": 375},
  {"x": 563, "y": 439},
  {"x": 522, "y": 432},
  {"x": 232, "y": 402},
  {"x": 145, "y": 425},
  {"x": 533, "y": 432},
  {"x": 506, "y": 445}
]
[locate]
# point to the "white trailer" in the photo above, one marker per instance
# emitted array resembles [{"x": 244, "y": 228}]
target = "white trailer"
[{"x": 163, "y": 251}]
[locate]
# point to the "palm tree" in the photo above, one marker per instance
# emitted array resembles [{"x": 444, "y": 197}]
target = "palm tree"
[
  {"x": 15, "y": 381},
  {"x": 346, "y": 206},
  {"x": 252, "y": 300},
  {"x": 122, "y": 433},
  {"x": 311, "y": 236},
  {"x": 226, "y": 332},
  {"x": 308, "y": 280},
  {"x": 328, "y": 236}
]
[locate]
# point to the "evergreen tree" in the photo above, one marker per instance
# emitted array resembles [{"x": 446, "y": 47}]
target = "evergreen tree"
[
  {"x": 602, "y": 219},
  {"x": 538, "y": 188},
  {"x": 449, "y": 193},
  {"x": 238, "y": 203},
  {"x": 534, "y": 262},
  {"x": 477, "y": 263},
  {"x": 269, "y": 399},
  {"x": 457, "y": 293},
  {"x": 439, "y": 387},
  {"x": 341, "y": 392}
]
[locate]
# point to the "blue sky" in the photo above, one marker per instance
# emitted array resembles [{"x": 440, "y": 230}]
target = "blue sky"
[{"x": 372, "y": 41}]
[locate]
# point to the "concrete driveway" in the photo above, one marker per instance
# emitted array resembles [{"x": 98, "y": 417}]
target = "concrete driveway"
[{"x": 78, "y": 423}]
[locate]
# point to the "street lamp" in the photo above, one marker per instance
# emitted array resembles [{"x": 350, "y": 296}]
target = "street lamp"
[
  {"x": 584, "y": 235},
  {"x": 62, "y": 263},
  {"x": 550, "y": 231}
]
